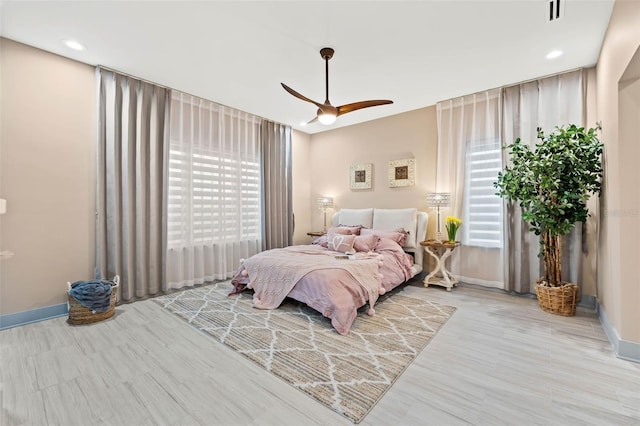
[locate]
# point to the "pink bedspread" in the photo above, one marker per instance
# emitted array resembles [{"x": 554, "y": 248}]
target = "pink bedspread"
[{"x": 334, "y": 292}]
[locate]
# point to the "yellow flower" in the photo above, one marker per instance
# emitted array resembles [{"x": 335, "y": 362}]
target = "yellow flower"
[
  {"x": 453, "y": 219},
  {"x": 452, "y": 225}
]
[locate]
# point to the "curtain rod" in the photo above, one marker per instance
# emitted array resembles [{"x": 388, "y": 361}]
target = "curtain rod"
[
  {"x": 543, "y": 77},
  {"x": 186, "y": 93},
  {"x": 518, "y": 83}
]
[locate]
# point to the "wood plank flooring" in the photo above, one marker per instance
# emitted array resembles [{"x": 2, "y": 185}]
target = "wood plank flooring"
[{"x": 499, "y": 360}]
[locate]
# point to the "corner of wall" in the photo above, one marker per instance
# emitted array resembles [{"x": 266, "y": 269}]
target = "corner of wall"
[{"x": 624, "y": 349}]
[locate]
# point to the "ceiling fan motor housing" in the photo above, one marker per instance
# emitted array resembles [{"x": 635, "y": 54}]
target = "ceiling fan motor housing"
[{"x": 326, "y": 53}]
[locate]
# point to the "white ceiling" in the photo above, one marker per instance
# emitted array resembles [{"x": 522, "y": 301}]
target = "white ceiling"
[{"x": 237, "y": 53}]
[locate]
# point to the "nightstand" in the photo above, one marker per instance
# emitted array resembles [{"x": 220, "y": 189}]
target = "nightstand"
[
  {"x": 440, "y": 251},
  {"x": 316, "y": 233}
]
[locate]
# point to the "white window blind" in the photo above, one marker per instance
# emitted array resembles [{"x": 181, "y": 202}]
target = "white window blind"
[
  {"x": 224, "y": 198},
  {"x": 483, "y": 209},
  {"x": 214, "y": 174}
]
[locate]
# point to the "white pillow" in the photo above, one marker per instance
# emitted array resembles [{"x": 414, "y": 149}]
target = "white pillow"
[
  {"x": 354, "y": 217},
  {"x": 398, "y": 218}
]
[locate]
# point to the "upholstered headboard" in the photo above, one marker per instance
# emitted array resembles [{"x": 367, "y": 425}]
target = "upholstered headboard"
[{"x": 411, "y": 219}]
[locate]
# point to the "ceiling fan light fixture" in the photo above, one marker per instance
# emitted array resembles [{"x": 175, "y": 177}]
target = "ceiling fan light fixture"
[
  {"x": 327, "y": 118},
  {"x": 328, "y": 113}
]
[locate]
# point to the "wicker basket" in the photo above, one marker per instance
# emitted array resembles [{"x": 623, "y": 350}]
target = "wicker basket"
[
  {"x": 557, "y": 300},
  {"x": 79, "y": 315}
]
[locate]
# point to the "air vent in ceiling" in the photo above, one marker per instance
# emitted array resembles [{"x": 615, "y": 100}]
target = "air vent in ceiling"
[{"x": 555, "y": 10}]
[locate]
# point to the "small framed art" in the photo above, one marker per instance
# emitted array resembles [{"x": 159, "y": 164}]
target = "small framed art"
[
  {"x": 402, "y": 173},
  {"x": 360, "y": 176}
]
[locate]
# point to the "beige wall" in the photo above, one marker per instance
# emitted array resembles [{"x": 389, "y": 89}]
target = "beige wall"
[
  {"x": 409, "y": 135},
  {"x": 47, "y": 168},
  {"x": 629, "y": 131},
  {"x": 618, "y": 267},
  {"x": 300, "y": 146}
]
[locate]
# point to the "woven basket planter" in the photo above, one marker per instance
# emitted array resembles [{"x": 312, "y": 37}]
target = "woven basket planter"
[
  {"x": 557, "y": 300},
  {"x": 79, "y": 315}
]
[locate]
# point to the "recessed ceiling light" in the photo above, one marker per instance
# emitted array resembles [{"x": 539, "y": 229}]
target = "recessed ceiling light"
[
  {"x": 72, "y": 44},
  {"x": 554, "y": 54}
]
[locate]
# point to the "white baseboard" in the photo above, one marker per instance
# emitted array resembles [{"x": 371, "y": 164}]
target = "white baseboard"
[
  {"x": 624, "y": 349},
  {"x": 477, "y": 281}
]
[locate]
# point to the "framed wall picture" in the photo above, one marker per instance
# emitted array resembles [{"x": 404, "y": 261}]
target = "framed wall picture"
[
  {"x": 402, "y": 173},
  {"x": 360, "y": 176}
]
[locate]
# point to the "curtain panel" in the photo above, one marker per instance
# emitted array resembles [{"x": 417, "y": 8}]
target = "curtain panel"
[
  {"x": 469, "y": 130},
  {"x": 131, "y": 226},
  {"x": 214, "y": 190},
  {"x": 549, "y": 102},
  {"x": 468, "y": 162},
  {"x": 277, "y": 206}
]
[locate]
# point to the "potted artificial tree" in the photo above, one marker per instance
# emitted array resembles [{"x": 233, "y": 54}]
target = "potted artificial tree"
[{"x": 552, "y": 184}]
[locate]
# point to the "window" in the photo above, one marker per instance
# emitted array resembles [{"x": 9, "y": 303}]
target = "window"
[
  {"x": 214, "y": 176},
  {"x": 225, "y": 198},
  {"x": 482, "y": 208}
]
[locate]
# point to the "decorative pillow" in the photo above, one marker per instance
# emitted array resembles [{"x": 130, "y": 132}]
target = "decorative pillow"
[
  {"x": 398, "y": 218},
  {"x": 321, "y": 241},
  {"x": 340, "y": 242},
  {"x": 353, "y": 217},
  {"x": 397, "y": 235},
  {"x": 344, "y": 230},
  {"x": 366, "y": 243},
  {"x": 355, "y": 229}
]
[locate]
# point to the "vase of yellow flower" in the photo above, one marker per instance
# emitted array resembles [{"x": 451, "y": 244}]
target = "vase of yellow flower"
[{"x": 452, "y": 224}]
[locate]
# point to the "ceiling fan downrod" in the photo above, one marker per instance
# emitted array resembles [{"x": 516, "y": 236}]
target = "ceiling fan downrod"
[{"x": 326, "y": 53}]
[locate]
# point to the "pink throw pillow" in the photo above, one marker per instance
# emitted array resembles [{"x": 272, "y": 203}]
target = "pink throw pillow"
[
  {"x": 355, "y": 229},
  {"x": 366, "y": 243},
  {"x": 321, "y": 241},
  {"x": 340, "y": 230},
  {"x": 397, "y": 235},
  {"x": 346, "y": 230},
  {"x": 340, "y": 242}
]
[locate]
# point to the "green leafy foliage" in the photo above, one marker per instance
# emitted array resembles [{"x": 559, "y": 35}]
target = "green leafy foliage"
[{"x": 553, "y": 182}]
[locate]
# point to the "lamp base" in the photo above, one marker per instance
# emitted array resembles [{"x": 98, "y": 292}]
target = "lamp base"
[{"x": 438, "y": 237}]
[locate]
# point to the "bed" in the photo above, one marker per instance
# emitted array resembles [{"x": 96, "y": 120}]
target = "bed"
[{"x": 366, "y": 253}]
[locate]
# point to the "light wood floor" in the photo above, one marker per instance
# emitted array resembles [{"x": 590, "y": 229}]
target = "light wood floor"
[{"x": 498, "y": 360}]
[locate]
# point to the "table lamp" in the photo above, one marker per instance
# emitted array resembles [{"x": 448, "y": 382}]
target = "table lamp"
[
  {"x": 437, "y": 200},
  {"x": 325, "y": 203}
]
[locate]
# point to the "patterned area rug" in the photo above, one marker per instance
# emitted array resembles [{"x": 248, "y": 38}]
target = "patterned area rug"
[{"x": 349, "y": 373}]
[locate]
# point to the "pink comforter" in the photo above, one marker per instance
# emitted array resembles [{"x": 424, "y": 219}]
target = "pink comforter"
[{"x": 334, "y": 292}]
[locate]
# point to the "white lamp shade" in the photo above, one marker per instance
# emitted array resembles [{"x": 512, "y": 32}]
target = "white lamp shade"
[
  {"x": 438, "y": 199},
  {"x": 325, "y": 202}
]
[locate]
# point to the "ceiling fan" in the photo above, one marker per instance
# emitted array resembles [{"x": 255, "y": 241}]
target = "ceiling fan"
[{"x": 327, "y": 113}]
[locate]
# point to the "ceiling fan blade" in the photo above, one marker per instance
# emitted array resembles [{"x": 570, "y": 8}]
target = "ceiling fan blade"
[
  {"x": 312, "y": 120},
  {"x": 343, "y": 109},
  {"x": 299, "y": 96}
]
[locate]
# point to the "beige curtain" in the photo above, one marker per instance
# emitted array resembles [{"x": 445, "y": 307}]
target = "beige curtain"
[
  {"x": 214, "y": 215},
  {"x": 503, "y": 115},
  {"x": 132, "y": 149},
  {"x": 277, "y": 207},
  {"x": 547, "y": 103},
  {"x": 467, "y": 127}
]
